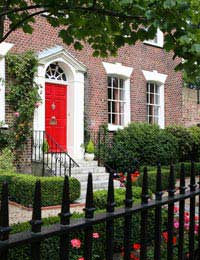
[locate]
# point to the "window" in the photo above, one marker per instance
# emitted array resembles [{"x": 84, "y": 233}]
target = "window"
[
  {"x": 155, "y": 97},
  {"x": 55, "y": 72},
  {"x": 116, "y": 103},
  {"x": 118, "y": 88},
  {"x": 153, "y": 103},
  {"x": 157, "y": 41}
]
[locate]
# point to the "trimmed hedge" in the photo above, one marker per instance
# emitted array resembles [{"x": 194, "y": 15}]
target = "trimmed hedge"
[
  {"x": 22, "y": 186},
  {"x": 152, "y": 172}
]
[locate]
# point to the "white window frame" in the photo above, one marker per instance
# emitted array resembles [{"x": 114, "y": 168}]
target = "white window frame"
[
  {"x": 159, "y": 39},
  {"x": 159, "y": 79},
  {"x": 123, "y": 72},
  {"x": 156, "y": 101},
  {"x": 4, "y": 48}
]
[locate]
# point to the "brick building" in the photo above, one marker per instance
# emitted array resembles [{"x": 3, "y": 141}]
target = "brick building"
[{"x": 138, "y": 85}]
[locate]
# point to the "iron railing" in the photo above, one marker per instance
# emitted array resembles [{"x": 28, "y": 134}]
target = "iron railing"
[
  {"x": 37, "y": 234},
  {"x": 53, "y": 156}
]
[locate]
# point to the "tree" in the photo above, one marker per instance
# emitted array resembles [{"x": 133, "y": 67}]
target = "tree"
[{"x": 107, "y": 25}]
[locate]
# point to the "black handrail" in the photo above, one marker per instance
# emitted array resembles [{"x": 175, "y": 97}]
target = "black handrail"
[{"x": 53, "y": 156}]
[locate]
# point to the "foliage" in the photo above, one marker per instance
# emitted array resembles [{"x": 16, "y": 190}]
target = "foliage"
[
  {"x": 195, "y": 136},
  {"x": 45, "y": 146},
  {"x": 51, "y": 188},
  {"x": 114, "y": 24},
  {"x": 90, "y": 147},
  {"x": 100, "y": 197},
  {"x": 184, "y": 140},
  {"x": 22, "y": 94},
  {"x": 4, "y": 138},
  {"x": 143, "y": 143},
  {"x": 6, "y": 160}
]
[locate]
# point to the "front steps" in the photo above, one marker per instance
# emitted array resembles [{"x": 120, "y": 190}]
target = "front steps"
[{"x": 99, "y": 175}]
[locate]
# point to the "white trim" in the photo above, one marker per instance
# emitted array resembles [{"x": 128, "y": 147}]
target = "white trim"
[
  {"x": 74, "y": 71},
  {"x": 160, "y": 39},
  {"x": 154, "y": 76},
  {"x": 117, "y": 69},
  {"x": 4, "y": 48}
]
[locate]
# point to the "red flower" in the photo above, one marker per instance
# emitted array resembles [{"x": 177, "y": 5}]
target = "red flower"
[
  {"x": 136, "y": 246},
  {"x": 95, "y": 235},
  {"x": 165, "y": 236},
  {"x": 76, "y": 243},
  {"x": 81, "y": 258}
]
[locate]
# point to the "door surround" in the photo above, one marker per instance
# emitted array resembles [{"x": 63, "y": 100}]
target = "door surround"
[{"x": 74, "y": 71}]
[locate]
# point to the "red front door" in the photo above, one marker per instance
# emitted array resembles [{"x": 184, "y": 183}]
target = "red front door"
[{"x": 56, "y": 115}]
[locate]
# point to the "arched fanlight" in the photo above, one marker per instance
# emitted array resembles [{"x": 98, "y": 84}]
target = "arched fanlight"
[{"x": 55, "y": 72}]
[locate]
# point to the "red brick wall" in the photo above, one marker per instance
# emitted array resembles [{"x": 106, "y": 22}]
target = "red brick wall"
[
  {"x": 191, "y": 110},
  {"x": 139, "y": 57}
]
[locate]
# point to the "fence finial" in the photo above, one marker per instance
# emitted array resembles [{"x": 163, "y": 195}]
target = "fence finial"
[
  {"x": 36, "y": 221},
  {"x": 65, "y": 210},
  {"x": 129, "y": 195},
  {"x": 145, "y": 194},
  {"x": 89, "y": 205},
  {"x": 182, "y": 179},
  {"x": 192, "y": 178},
  {"x": 171, "y": 189},
  {"x": 110, "y": 199},
  {"x": 159, "y": 192},
  {"x": 4, "y": 213}
]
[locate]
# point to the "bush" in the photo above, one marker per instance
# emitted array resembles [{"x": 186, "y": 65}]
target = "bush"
[
  {"x": 90, "y": 147},
  {"x": 100, "y": 197},
  {"x": 22, "y": 186},
  {"x": 184, "y": 140},
  {"x": 195, "y": 135},
  {"x": 141, "y": 142},
  {"x": 6, "y": 160}
]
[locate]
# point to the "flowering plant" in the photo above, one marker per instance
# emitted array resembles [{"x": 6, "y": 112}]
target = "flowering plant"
[
  {"x": 122, "y": 177},
  {"x": 77, "y": 250}
]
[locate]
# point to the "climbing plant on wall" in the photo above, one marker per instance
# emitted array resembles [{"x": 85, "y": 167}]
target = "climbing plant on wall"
[{"x": 22, "y": 96}]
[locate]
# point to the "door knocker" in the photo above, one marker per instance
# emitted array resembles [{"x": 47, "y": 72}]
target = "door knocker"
[{"x": 53, "y": 121}]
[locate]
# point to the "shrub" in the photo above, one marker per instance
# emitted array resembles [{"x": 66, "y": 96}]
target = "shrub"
[
  {"x": 141, "y": 142},
  {"x": 184, "y": 140},
  {"x": 90, "y": 147},
  {"x": 51, "y": 188},
  {"x": 6, "y": 160},
  {"x": 100, "y": 197},
  {"x": 195, "y": 135}
]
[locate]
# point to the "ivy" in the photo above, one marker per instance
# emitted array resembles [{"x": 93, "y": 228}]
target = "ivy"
[{"x": 23, "y": 95}]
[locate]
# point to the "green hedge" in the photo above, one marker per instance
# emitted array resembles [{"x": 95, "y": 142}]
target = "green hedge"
[
  {"x": 145, "y": 143},
  {"x": 152, "y": 172},
  {"x": 50, "y": 246},
  {"x": 21, "y": 188}
]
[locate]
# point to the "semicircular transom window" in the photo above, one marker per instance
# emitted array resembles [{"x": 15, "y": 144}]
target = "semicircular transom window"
[{"x": 55, "y": 72}]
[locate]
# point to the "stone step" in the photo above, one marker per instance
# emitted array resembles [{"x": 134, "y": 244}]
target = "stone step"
[
  {"x": 95, "y": 176},
  {"x": 88, "y": 169},
  {"x": 86, "y": 163}
]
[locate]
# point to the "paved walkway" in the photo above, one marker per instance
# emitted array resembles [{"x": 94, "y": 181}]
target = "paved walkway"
[{"x": 20, "y": 214}]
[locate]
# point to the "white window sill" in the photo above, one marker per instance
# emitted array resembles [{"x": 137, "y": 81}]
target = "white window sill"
[
  {"x": 153, "y": 44},
  {"x": 4, "y": 126},
  {"x": 114, "y": 127}
]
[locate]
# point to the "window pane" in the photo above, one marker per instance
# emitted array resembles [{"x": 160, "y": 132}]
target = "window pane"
[
  {"x": 121, "y": 85},
  {"x": 109, "y": 119},
  {"x": 157, "y": 99},
  {"x": 156, "y": 111},
  {"x": 109, "y": 81},
  {"x": 109, "y": 107},
  {"x": 115, "y": 82},
  {"x": 121, "y": 119},
  {"x": 113, "y": 107},
  {"x": 122, "y": 95},
  {"x": 151, "y": 87},
  {"x": 114, "y": 119},
  {"x": 109, "y": 93},
  {"x": 121, "y": 107},
  {"x": 151, "y": 99},
  {"x": 150, "y": 110},
  {"x": 156, "y": 89},
  {"x": 116, "y": 94}
]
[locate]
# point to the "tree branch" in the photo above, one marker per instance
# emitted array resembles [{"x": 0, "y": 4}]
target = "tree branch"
[{"x": 17, "y": 25}]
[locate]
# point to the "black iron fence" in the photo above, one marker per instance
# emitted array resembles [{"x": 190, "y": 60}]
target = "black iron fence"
[
  {"x": 37, "y": 234},
  {"x": 52, "y": 156}
]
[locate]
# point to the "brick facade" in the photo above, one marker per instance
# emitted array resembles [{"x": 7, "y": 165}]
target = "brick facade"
[
  {"x": 191, "y": 108},
  {"x": 139, "y": 57}
]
